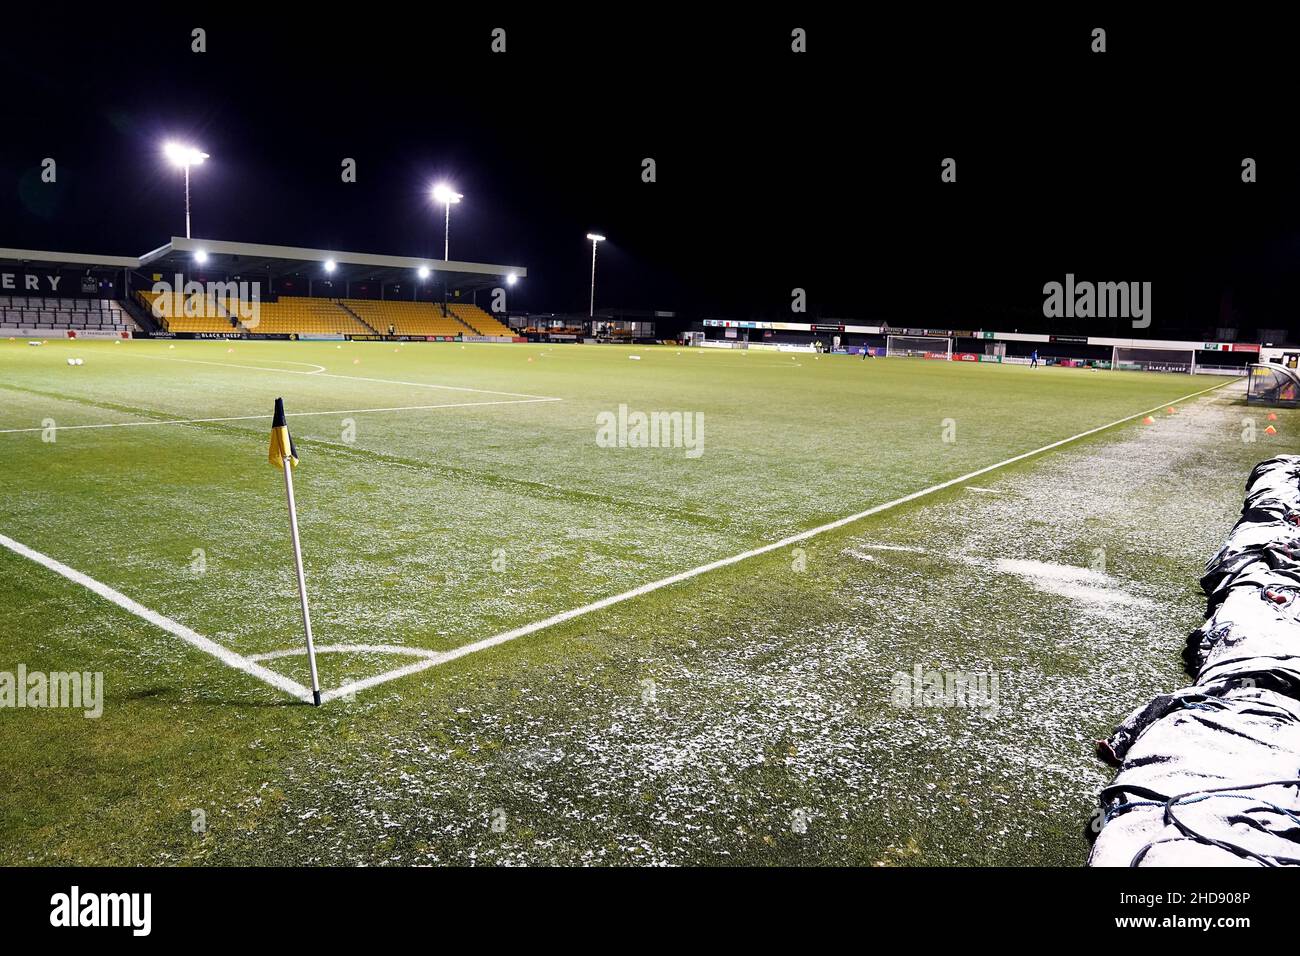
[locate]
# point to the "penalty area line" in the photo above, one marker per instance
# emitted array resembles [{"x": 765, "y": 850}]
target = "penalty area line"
[
  {"x": 518, "y": 632},
  {"x": 194, "y": 639}
]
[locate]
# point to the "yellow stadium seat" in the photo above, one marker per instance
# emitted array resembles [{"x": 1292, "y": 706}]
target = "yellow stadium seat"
[
  {"x": 480, "y": 321},
  {"x": 406, "y": 318}
]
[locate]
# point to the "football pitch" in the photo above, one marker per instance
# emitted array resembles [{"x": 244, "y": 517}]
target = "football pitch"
[{"x": 541, "y": 643}]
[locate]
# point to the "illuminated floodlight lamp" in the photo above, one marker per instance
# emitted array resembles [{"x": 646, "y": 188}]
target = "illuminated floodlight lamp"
[
  {"x": 448, "y": 197},
  {"x": 183, "y": 157},
  {"x": 595, "y": 237}
]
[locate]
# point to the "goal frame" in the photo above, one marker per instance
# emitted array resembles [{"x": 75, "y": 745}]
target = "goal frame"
[
  {"x": 1153, "y": 359},
  {"x": 941, "y": 343}
]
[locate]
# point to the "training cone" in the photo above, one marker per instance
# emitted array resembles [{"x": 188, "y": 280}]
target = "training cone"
[
  {"x": 1148, "y": 420},
  {"x": 1272, "y": 416},
  {"x": 1171, "y": 410},
  {"x": 1270, "y": 430}
]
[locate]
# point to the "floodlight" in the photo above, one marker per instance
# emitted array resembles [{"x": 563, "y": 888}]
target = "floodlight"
[
  {"x": 184, "y": 156},
  {"x": 200, "y": 256},
  {"x": 445, "y": 194},
  {"x": 595, "y": 237}
]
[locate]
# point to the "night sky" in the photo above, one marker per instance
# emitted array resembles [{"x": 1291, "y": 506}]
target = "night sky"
[{"x": 775, "y": 170}]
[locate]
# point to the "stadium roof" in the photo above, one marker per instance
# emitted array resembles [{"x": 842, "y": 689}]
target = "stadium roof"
[
  {"x": 57, "y": 259},
  {"x": 236, "y": 258},
  {"x": 277, "y": 261}
]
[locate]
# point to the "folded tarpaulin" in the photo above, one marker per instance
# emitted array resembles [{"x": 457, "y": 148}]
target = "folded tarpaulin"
[
  {"x": 1205, "y": 771},
  {"x": 1210, "y": 774}
]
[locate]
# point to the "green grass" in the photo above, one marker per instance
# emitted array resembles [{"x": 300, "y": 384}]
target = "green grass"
[{"x": 687, "y": 725}]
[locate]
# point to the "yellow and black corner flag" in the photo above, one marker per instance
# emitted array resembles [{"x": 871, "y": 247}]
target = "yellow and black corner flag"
[
  {"x": 281, "y": 440},
  {"x": 282, "y": 451}
]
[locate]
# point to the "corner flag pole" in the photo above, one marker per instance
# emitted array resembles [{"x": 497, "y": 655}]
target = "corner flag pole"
[
  {"x": 302, "y": 580},
  {"x": 283, "y": 449}
]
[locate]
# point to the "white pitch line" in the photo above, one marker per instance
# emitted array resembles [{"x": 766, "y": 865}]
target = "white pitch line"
[
  {"x": 350, "y": 378},
  {"x": 208, "y": 646},
  {"x": 504, "y": 637},
  {"x": 346, "y": 649},
  {"x": 249, "y": 418},
  {"x": 454, "y": 388}
]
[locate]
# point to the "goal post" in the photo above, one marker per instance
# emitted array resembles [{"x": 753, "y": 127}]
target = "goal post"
[
  {"x": 1148, "y": 359},
  {"x": 918, "y": 346}
]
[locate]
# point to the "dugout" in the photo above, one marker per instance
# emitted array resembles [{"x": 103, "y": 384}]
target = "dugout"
[{"x": 1274, "y": 385}]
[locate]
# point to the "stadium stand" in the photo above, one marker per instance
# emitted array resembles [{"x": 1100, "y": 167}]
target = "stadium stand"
[
  {"x": 309, "y": 316},
  {"x": 478, "y": 321},
  {"x": 303, "y": 316},
  {"x": 61, "y": 315},
  {"x": 406, "y": 318}
]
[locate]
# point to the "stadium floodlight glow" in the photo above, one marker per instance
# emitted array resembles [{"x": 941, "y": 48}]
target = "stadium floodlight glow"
[
  {"x": 184, "y": 157},
  {"x": 445, "y": 194},
  {"x": 595, "y": 237},
  {"x": 329, "y": 265},
  {"x": 511, "y": 279},
  {"x": 424, "y": 272},
  {"x": 448, "y": 197},
  {"x": 200, "y": 256}
]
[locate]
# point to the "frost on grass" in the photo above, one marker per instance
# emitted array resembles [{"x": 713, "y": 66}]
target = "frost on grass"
[{"x": 770, "y": 735}]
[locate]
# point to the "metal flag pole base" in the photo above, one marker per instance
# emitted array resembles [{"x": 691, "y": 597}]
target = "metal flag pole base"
[{"x": 302, "y": 580}]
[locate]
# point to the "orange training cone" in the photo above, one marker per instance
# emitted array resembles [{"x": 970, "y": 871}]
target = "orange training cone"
[
  {"x": 1270, "y": 430},
  {"x": 1148, "y": 420},
  {"x": 1171, "y": 410},
  {"x": 1272, "y": 416}
]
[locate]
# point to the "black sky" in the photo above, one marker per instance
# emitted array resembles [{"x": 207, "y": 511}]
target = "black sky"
[{"x": 775, "y": 170}]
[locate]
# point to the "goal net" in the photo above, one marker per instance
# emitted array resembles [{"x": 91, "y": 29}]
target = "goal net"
[
  {"x": 1153, "y": 360},
  {"x": 918, "y": 346}
]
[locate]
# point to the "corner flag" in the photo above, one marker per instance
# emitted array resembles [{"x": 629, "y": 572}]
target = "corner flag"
[
  {"x": 281, "y": 440},
  {"x": 284, "y": 455}
]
